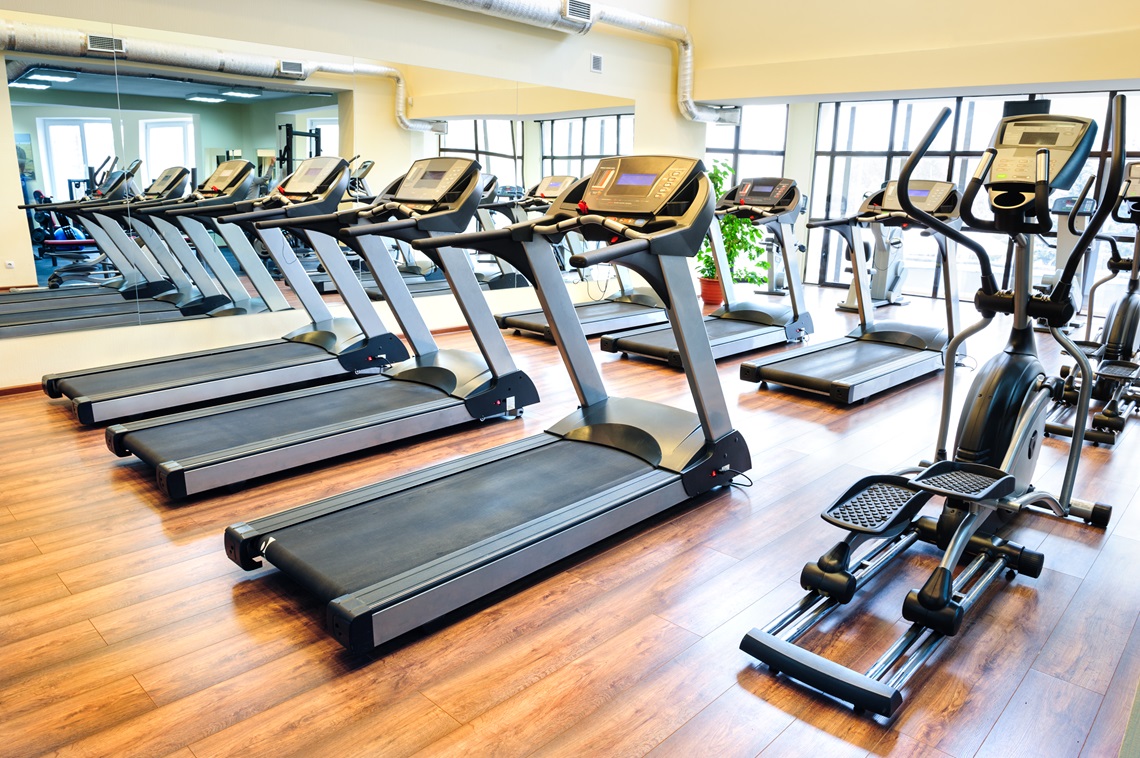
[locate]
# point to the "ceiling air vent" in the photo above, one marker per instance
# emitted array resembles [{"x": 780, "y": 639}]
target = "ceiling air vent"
[
  {"x": 292, "y": 69},
  {"x": 595, "y": 63},
  {"x": 576, "y": 10},
  {"x": 97, "y": 43}
]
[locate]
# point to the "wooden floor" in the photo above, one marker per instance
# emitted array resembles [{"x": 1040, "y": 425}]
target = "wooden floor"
[{"x": 125, "y": 631}]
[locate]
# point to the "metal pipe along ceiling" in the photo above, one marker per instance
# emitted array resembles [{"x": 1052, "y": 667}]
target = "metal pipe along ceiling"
[
  {"x": 567, "y": 16},
  {"x": 19, "y": 37}
]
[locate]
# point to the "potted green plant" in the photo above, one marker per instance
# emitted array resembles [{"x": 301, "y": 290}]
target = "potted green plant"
[{"x": 741, "y": 245}]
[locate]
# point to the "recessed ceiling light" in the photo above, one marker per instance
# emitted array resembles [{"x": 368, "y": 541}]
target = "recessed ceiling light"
[
  {"x": 242, "y": 92},
  {"x": 51, "y": 75},
  {"x": 28, "y": 85},
  {"x": 201, "y": 97}
]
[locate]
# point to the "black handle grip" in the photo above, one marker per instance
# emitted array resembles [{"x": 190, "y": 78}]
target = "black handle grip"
[
  {"x": 384, "y": 227},
  {"x": 299, "y": 221},
  {"x": 966, "y": 207},
  {"x": 826, "y": 222},
  {"x": 989, "y": 284},
  {"x": 469, "y": 239},
  {"x": 214, "y": 210},
  {"x": 609, "y": 253},
  {"x": 1116, "y": 216},
  {"x": 252, "y": 216},
  {"x": 1075, "y": 210}
]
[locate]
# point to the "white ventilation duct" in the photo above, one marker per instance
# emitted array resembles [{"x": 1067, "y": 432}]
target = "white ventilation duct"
[
  {"x": 578, "y": 17},
  {"x": 19, "y": 37}
]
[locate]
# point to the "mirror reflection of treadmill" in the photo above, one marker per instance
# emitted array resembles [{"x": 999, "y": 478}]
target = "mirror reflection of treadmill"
[
  {"x": 877, "y": 355},
  {"x": 431, "y": 390}
]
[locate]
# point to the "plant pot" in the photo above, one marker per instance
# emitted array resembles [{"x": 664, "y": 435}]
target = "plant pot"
[{"x": 711, "y": 293}]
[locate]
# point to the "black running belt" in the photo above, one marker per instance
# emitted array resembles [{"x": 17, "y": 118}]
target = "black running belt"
[
  {"x": 183, "y": 372},
  {"x": 83, "y": 311},
  {"x": 817, "y": 371},
  {"x": 351, "y": 549},
  {"x": 263, "y": 422},
  {"x": 587, "y": 313},
  {"x": 661, "y": 342},
  {"x": 100, "y": 296}
]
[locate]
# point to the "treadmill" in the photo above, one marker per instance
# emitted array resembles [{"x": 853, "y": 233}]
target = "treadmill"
[
  {"x": 878, "y": 355},
  {"x": 212, "y": 447},
  {"x": 129, "y": 283},
  {"x": 231, "y": 180},
  {"x": 740, "y": 327},
  {"x": 194, "y": 295},
  {"x": 395, "y": 555},
  {"x": 325, "y": 348},
  {"x": 627, "y": 309}
]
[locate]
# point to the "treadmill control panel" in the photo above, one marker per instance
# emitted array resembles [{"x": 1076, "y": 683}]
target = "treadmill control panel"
[
  {"x": 1067, "y": 138},
  {"x": 313, "y": 175},
  {"x": 926, "y": 195},
  {"x": 1064, "y": 206},
  {"x": 766, "y": 192},
  {"x": 429, "y": 180},
  {"x": 167, "y": 181},
  {"x": 637, "y": 184},
  {"x": 225, "y": 177},
  {"x": 552, "y": 186}
]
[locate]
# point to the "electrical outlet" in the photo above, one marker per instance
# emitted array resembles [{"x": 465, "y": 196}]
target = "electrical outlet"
[{"x": 9, "y": 264}]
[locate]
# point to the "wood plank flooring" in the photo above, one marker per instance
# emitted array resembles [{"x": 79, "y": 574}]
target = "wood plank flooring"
[{"x": 125, "y": 631}]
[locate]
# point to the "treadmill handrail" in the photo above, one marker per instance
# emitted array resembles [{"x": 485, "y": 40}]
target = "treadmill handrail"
[
  {"x": 386, "y": 227},
  {"x": 609, "y": 253},
  {"x": 456, "y": 240}
]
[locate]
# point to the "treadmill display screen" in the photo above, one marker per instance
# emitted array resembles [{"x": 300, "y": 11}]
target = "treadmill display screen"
[
  {"x": 431, "y": 178},
  {"x": 918, "y": 193},
  {"x": 639, "y": 180},
  {"x": 1038, "y": 138},
  {"x": 633, "y": 185}
]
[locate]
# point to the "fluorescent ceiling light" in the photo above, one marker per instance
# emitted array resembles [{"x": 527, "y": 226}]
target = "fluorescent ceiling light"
[
  {"x": 29, "y": 85},
  {"x": 243, "y": 92},
  {"x": 201, "y": 97},
  {"x": 51, "y": 75}
]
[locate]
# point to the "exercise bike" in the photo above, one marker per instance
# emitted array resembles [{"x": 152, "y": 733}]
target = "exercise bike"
[
  {"x": 988, "y": 479},
  {"x": 1115, "y": 378}
]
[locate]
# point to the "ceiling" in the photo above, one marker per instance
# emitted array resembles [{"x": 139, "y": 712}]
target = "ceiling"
[{"x": 136, "y": 84}]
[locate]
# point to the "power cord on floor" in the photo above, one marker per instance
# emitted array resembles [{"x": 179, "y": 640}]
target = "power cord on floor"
[{"x": 735, "y": 473}]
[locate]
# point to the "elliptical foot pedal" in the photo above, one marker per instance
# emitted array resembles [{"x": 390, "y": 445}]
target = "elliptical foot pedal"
[
  {"x": 877, "y": 505},
  {"x": 1092, "y": 350},
  {"x": 966, "y": 481},
  {"x": 1118, "y": 371}
]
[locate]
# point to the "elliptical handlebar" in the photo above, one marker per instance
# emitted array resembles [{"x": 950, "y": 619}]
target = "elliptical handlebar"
[
  {"x": 989, "y": 283},
  {"x": 1073, "y": 212},
  {"x": 1112, "y": 187},
  {"x": 966, "y": 209},
  {"x": 1131, "y": 218}
]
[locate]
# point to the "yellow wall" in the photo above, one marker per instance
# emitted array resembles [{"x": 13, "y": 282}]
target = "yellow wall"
[{"x": 749, "y": 49}]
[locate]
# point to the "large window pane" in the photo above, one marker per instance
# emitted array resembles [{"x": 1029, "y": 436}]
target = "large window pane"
[
  {"x": 625, "y": 138},
  {"x": 720, "y": 135},
  {"x": 500, "y": 137},
  {"x": 825, "y": 128},
  {"x": 914, "y": 118},
  {"x": 759, "y": 165},
  {"x": 763, "y": 127},
  {"x": 977, "y": 120},
  {"x": 460, "y": 135},
  {"x": 864, "y": 126}
]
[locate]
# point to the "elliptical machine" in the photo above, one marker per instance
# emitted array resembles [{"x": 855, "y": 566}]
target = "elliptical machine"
[
  {"x": 999, "y": 436},
  {"x": 1116, "y": 376}
]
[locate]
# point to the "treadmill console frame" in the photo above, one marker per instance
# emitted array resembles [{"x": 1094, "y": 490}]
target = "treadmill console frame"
[
  {"x": 445, "y": 172},
  {"x": 660, "y": 176}
]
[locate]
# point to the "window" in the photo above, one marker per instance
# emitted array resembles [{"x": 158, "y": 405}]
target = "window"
[
  {"x": 755, "y": 147},
  {"x": 166, "y": 143},
  {"x": 573, "y": 146},
  {"x": 70, "y": 146},
  {"x": 861, "y": 145},
  {"x": 495, "y": 143},
  {"x": 329, "y": 129}
]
